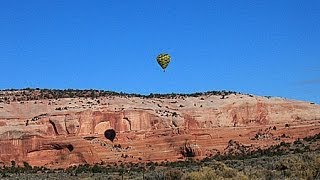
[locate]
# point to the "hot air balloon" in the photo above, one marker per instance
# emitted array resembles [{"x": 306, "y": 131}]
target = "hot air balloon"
[
  {"x": 110, "y": 134},
  {"x": 163, "y": 60}
]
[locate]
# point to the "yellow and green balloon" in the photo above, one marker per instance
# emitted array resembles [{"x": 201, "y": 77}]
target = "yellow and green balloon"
[{"x": 163, "y": 60}]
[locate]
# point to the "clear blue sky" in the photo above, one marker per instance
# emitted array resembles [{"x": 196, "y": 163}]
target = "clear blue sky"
[{"x": 263, "y": 48}]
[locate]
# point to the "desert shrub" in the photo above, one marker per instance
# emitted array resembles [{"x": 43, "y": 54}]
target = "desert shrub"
[
  {"x": 291, "y": 166},
  {"x": 304, "y": 166},
  {"x": 96, "y": 169},
  {"x": 205, "y": 173},
  {"x": 27, "y": 166},
  {"x": 226, "y": 172},
  {"x": 217, "y": 170},
  {"x": 173, "y": 174},
  {"x": 254, "y": 173},
  {"x": 155, "y": 175}
]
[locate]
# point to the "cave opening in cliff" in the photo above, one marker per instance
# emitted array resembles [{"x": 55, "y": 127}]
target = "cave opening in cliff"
[{"x": 110, "y": 134}]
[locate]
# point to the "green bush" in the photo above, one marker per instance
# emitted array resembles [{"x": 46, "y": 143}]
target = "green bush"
[
  {"x": 220, "y": 171},
  {"x": 173, "y": 175}
]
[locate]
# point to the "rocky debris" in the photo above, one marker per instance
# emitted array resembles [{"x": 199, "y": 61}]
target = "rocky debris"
[{"x": 265, "y": 134}]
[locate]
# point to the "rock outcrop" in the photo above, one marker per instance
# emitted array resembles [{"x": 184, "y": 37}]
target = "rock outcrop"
[{"x": 69, "y": 131}]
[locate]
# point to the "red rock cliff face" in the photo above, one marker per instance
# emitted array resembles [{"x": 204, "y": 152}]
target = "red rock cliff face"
[{"x": 64, "y": 132}]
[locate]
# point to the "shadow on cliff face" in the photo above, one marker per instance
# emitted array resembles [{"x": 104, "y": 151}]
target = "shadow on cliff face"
[
  {"x": 54, "y": 127},
  {"x": 58, "y": 147},
  {"x": 110, "y": 134},
  {"x": 188, "y": 150}
]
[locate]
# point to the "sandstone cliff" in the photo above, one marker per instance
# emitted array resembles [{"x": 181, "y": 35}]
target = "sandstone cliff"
[{"x": 68, "y": 131}]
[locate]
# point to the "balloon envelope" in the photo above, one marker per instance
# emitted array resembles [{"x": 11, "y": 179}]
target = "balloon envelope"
[
  {"x": 163, "y": 60},
  {"x": 110, "y": 134}
]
